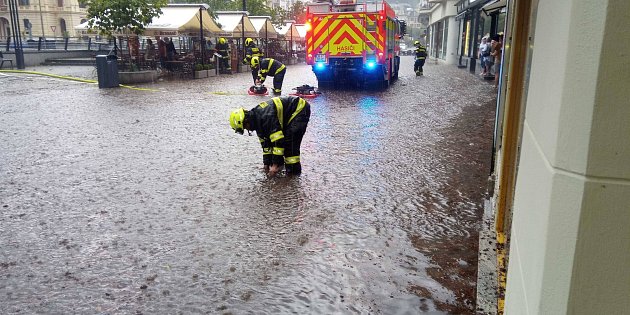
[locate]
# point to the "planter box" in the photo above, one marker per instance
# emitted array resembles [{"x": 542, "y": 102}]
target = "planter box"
[
  {"x": 212, "y": 72},
  {"x": 131, "y": 77},
  {"x": 201, "y": 74}
]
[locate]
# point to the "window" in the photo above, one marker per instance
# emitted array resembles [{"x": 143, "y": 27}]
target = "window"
[
  {"x": 62, "y": 23},
  {"x": 24, "y": 2},
  {"x": 82, "y": 5},
  {"x": 60, "y": 3}
]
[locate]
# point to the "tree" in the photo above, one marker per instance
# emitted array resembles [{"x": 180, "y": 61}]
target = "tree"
[
  {"x": 297, "y": 12},
  {"x": 118, "y": 16}
]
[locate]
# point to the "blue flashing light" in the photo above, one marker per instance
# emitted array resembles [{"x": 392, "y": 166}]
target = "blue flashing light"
[
  {"x": 370, "y": 64},
  {"x": 320, "y": 66}
]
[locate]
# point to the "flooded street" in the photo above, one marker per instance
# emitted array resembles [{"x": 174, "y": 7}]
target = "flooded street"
[{"x": 122, "y": 201}]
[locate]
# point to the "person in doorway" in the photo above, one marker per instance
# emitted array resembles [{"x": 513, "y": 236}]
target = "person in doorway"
[
  {"x": 251, "y": 50},
  {"x": 269, "y": 67},
  {"x": 223, "y": 49},
  {"x": 280, "y": 124},
  {"x": 497, "y": 51},
  {"x": 421, "y": 56}
]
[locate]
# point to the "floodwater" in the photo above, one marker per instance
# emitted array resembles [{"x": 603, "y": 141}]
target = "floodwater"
[{"x": 121, "y": 201}]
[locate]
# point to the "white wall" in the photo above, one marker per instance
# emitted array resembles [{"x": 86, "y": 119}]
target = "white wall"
[{"x": 570, "y": 238}]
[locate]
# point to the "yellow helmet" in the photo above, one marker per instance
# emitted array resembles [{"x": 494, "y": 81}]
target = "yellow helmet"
[
  {"x": 416, "y": 43},
  {"x": 248, "y": 41},
  {"x": 236, "y": 120},
  {"x": 222, "y": 40},
  {"x": 255, "y": 62}
]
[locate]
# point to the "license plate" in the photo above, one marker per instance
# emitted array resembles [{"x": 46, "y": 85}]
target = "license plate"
[{"x": 320, "y": 57}]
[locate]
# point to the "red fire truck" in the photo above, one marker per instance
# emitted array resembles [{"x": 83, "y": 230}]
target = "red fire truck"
[{"x": 349, "y": 42}]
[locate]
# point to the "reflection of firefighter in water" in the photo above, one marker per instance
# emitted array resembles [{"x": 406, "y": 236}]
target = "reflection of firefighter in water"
[
  {"x": 223, "y": 49},
  {"x": 251, "y": 50},
  {"x": 271, "y": 67}
]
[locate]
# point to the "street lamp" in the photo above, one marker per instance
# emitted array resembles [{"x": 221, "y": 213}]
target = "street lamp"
[{"x": 17, "y": 34}]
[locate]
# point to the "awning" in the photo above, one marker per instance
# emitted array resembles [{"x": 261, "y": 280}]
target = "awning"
[
  {"x": 263, "y": 26},
  {"x": 230, "y": 22},
  {"x": 289, "y": 32},
  {"x": 301, "y": 28},
  {"x": 182, "y": 19},
  {"x": 493, "y": 6}
]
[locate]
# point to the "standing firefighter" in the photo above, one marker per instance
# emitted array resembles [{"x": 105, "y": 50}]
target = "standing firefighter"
[
  {"x": 280, "y": 124},
  {"x": 421, "y": 55},
  {"x": 223, "y": 49},
  {"x": 251, "y": 50},
  {"x": 271, "y": 67}
]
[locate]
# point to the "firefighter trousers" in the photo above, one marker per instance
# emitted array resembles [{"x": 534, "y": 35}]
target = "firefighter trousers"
[
  {"x": 293, "y": 139},
  {"x": 417, "y": 66},
  {"x": 277, "y": 82}
]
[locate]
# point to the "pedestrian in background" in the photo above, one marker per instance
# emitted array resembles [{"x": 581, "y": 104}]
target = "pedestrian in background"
[
  {"x": 161, "y": 51},
  {"x": 280, "y": 124},
  {"x": 149, "y": 54},
  {"x": 497, "y": 52},
  {"x": 484, "y": 53},
  {"x": 170, "y": 49}
]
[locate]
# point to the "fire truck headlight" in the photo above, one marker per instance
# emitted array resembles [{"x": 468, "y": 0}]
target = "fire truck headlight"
[{"x": 370, "y": 65}]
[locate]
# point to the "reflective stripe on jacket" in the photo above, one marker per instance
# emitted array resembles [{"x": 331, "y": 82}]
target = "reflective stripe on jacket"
[
  {"x": 252, "y": 51},
  {"x": 421, "y": 52},
  {"x": 270, "y": 119},
  {"x": 269, "y": 66}
]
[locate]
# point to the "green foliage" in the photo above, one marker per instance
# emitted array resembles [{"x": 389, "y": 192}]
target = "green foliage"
[
  {"x": 297, "y": 12},
  {"x": 206, "y": 67},
  {"x": 119, "y": 16},
  {"x": 198, "y": 67}
]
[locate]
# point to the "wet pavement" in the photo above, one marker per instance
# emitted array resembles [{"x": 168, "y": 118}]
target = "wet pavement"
[{"x": 120, "y": 201}]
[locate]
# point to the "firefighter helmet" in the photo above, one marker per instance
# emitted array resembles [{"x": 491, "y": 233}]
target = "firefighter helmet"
[
  {"x": 236, "y": 120},
  {"x": 248, "y": 41},
  {"x": 222, "y": 41},
  {"x": 416, "y": 43},
  {"x": 255, "y": 62}
]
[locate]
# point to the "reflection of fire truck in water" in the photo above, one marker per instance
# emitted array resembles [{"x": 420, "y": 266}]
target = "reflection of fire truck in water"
[{"x": 353, "y": 42}]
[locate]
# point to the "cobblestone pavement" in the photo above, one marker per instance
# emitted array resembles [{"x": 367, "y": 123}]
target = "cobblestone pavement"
[{"x": 119, "y": 201}]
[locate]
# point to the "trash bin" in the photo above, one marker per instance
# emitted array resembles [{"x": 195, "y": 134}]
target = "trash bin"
[{"x": 107, "y": 71}]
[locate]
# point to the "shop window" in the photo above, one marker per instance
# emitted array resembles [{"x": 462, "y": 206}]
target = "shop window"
[{"x": 62, "y": 24}]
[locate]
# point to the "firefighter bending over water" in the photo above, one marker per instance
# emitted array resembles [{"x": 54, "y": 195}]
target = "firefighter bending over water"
[
  {"x": 223, "y": 49},
  {"x": 421, "y": 56},
  {"x": 251, "y": 50},
  {"x": 271, "y": 67},
  {"x": 280, "y": 124}
]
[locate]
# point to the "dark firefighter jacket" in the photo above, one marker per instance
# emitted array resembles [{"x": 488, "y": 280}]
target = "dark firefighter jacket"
[
  {"x": 251, "y": 51},
  {"x": 271, "y": 119},
  {"x": 269, "y": 66},
  {"x": 222, "y": 49},
  {"x": 421, "y": 52}
]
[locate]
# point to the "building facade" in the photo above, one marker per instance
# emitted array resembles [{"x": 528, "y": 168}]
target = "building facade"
[{"x": 43, "y": 18}]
